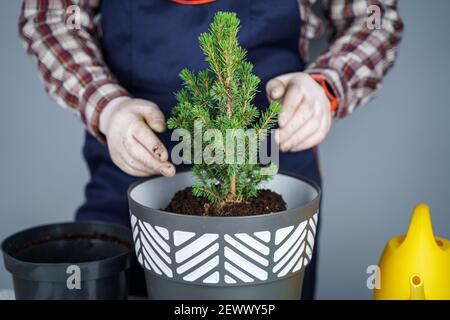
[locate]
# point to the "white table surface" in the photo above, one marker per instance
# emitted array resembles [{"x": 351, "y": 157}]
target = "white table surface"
[{"x": 6, "y": 294}]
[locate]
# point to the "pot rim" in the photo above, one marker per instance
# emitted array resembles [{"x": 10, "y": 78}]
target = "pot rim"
[
  {"x": 7, "y": 254},
  {"x": 218, "y": 218}
]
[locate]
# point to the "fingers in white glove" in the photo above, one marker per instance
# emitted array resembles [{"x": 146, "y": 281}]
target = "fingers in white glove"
[
  {"x": 130, "y": 168},
  {"x": 292, "y": 99},
  {"x": 301, "y": 116},
  {"x": 147, "y": 138},
  {"x": 133, "y": 146},
  {"x": 304, "y": 132},
  {"x": 145, "y": 160},
  {"x": 152, "y": 115},
  {"x": 274, "y": 89},
  {"x": 313, "y": 140},
  {"x": 305, "y": 119}
]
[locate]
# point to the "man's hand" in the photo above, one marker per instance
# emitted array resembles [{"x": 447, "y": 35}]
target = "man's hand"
[
  {"x": 305, "y": 118},
  {"x": 129, "y": 128}
]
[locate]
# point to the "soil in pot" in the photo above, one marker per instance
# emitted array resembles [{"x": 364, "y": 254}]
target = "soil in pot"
[
  {"x": 71, "y": 248},
  {"x": 265, "y": 202}
]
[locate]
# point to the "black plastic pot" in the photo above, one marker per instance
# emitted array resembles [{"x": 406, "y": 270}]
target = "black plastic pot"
[
  {"x": 76, "y": 260},
  {"x": 244, "y": 257}
]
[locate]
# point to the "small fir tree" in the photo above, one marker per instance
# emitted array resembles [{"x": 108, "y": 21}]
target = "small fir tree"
[{"x": 220, "y": 99}]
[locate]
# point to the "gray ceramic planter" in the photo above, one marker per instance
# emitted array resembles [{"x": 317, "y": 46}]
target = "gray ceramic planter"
[{"x": 197, "y": 257}]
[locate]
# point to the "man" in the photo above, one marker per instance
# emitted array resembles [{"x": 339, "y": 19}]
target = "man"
[{"x": 121, "y": 84}]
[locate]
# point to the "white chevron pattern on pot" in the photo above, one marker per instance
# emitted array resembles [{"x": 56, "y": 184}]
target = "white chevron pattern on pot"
[
  {"x": 197, "y": 257},
  {"x": 152, "y": 247},
  {"x": 245, "y": 258},
  {"x": 294, "y": 246},
  {"x": 137, "y": 241},
  {"x": 242, "y": 257}
]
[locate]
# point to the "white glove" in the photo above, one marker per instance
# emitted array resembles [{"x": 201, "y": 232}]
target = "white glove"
[
  {"x": 128, "y": 125},
  {"x": 305, "y": 119}
]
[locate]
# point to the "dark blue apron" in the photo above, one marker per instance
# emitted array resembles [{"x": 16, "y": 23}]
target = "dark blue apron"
[{"x": 147, "y": 42}]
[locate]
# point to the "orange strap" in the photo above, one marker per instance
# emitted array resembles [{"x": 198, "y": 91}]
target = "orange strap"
[{"x": 334, "y": 101}]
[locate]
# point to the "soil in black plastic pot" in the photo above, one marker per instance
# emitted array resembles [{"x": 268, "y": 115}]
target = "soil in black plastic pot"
[
  {"x": 265, "y": 202},
  {"x": 71, "y": 248}
]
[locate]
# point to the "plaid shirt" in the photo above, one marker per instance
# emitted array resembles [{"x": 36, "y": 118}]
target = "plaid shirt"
[{"x": 75, "y": 75}]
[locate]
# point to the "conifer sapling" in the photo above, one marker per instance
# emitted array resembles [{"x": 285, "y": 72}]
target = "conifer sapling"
[{"x": 220, "y": 99}]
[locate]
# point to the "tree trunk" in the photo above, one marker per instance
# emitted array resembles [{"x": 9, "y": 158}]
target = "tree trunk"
[{"x": 233, "y": 185}]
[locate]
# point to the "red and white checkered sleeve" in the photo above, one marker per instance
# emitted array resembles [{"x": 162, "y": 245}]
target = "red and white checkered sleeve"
[
  {"x": 359, "y": 55},
  {"x": 69, "y": 58}
]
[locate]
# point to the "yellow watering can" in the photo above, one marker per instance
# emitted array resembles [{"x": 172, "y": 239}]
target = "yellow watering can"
[{"x": 415, "y": 266}]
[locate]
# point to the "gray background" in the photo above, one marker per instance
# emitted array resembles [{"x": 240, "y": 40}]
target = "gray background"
[{"x": 377, "y": 163}]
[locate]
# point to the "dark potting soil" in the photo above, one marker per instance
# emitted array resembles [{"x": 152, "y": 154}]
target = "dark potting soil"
[
  {"x": 265, "y": 202},
  {"x": 66, "y": 248}
]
